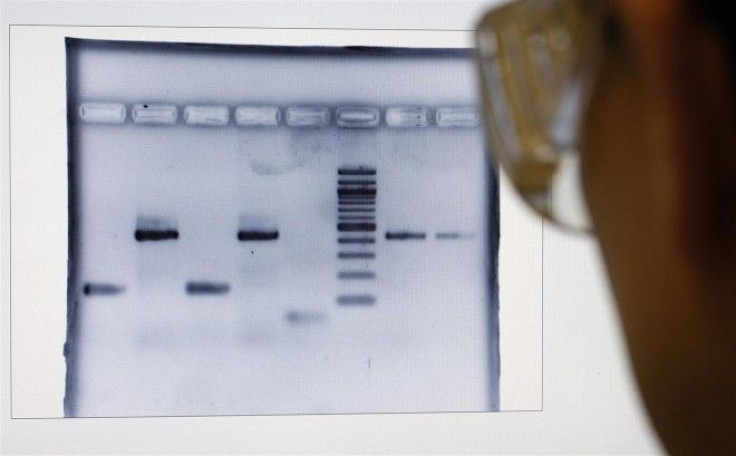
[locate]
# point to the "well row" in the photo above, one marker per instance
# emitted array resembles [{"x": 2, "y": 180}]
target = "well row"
[{"x": 273, "y": 116}]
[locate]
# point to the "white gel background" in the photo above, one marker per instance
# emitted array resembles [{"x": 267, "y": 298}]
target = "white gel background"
[{"x": 154, "y": 350}]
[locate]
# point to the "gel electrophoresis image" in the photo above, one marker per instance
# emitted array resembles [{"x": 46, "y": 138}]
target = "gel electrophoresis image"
[{"x": 262, "y": 230}]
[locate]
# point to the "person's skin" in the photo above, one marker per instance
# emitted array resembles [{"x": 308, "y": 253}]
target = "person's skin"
[{"x": 659, "y": 173}]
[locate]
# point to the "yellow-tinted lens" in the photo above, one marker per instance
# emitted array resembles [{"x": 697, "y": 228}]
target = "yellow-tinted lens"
[{"x": 537, "y": 60}]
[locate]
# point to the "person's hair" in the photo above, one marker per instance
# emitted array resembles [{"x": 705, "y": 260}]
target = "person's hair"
[{"x": 721, "y": 15}]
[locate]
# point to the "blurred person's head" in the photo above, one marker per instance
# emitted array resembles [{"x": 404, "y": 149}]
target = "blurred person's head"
[
  {"x": 659, "y": 172},
  {"x": 640, "y": 96}
]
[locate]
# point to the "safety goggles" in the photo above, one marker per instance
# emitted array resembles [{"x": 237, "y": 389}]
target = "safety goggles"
[{"x": 538, "y": 61}]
